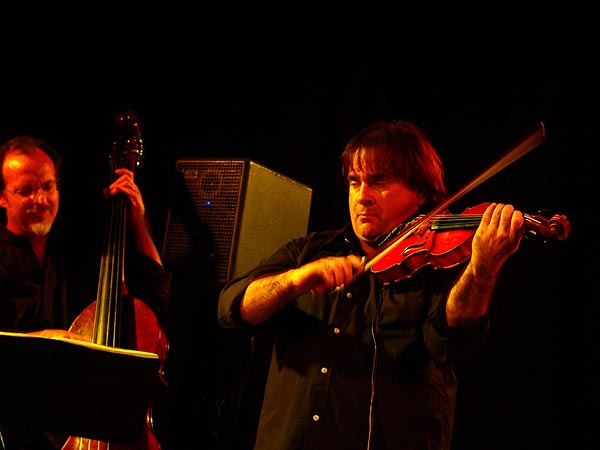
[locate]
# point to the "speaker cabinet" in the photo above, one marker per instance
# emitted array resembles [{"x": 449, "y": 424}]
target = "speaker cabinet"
[{"x": 231, "y": 213}]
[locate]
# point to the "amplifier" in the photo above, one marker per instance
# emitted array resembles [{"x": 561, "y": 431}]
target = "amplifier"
[{"x": 233, "y": 212}]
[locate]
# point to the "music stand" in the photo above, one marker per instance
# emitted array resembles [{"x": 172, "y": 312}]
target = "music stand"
[{"x": 75, "y": 387}]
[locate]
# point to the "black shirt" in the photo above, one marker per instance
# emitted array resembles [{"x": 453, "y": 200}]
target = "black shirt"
[
  {"x": 378, "y": 353},
  {"x": 36, "y": 297}
]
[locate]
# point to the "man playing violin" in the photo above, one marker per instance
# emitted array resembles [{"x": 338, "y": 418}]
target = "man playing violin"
[
  {"x": 46, "y": 280},
  {"x": 361, "y": 362}
]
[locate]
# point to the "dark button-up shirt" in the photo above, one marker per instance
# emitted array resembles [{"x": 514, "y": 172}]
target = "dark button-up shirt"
[
  {"x": 370, "y": 363},
  {"x": 52, "y": 295}
]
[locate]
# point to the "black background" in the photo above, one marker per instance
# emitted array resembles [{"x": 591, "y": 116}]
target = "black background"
[{"x": 287, "y": 84}]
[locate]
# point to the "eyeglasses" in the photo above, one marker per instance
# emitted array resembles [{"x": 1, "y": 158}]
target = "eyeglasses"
[{"x": 49, "y": 187}]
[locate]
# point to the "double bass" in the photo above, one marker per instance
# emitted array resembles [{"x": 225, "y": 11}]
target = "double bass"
[{"x": 115, "y": 318}]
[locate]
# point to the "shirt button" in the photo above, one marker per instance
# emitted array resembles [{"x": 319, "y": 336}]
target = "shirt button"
[
  {"x": 324, "y": 370},
  {"x": 348, "y": 295},
  {"x": 336, "y": 330},
  {"x": 316, "y": 417}
]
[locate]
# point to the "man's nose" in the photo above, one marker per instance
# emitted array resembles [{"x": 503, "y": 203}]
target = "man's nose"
[
  {"x": 40, "y": 195},
  {"x": 364, "y": 194}
]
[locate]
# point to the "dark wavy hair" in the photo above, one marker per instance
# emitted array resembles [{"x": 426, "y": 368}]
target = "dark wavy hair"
[{"x": 400, "y": 149}]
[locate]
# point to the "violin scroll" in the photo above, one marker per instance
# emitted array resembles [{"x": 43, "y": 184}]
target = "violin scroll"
[{"x": 556, "y": 227}]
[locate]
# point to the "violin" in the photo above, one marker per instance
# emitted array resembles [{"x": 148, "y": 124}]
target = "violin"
[{"x": 444, "y": 241}]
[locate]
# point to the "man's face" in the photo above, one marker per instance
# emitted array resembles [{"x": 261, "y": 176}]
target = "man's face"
[
  {"x": 378, "y": 203},
  {"x": 30, "y": 194}
]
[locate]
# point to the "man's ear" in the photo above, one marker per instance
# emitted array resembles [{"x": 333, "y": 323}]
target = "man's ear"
[{"x": 3, "y": 201}]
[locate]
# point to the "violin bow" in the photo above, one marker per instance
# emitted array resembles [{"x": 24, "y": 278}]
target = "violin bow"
[{"x": 532, "y": 141}]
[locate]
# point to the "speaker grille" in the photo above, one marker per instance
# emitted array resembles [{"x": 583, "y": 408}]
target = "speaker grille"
[{"x": 234, "y": 211}]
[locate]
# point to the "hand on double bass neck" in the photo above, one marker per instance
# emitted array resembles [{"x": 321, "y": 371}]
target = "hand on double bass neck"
[
  {"x": 126, "y": 185},
  {"x": 135, "y": 211}
]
